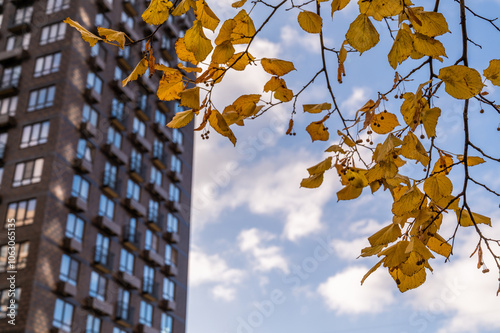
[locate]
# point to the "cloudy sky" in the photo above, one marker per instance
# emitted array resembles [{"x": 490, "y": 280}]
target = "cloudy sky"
[{"x": 268, "y": 256}]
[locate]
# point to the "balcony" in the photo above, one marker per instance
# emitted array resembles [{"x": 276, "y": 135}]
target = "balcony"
[
  {"x": 169, "y": 270},
  {"x": 130, "y": 7},
  {"x": 152, "y": 257},
  {"x": 167, "y": 305},
  {"x": 141, "y": 328},
  {"x": 92, "y": 96},
  {"x": 159, "y": 160},
  {"x": 107, "y": 225},
  {"x": 134, "y": 206},
  {"x": 111, "y": 185},
  {"x": 105, "y": 5},
  {"x": 102, "y": 307},
  {"x": 148, "y": 84},
  {"x": 7, "y": 120},
  {"x": 103, "y": 259},
  {"x": 150, "y": 290},
  {"x": 87, "y": 129},
  {"x": 165, "y": 52},
  {"x": 115, "y": 153},
  {"x": 141, "y": 142},
  {"x": 97, "y": 63},
  {"x": 18, "y": 26},
  {"x": 175, "y": 176},
  {"x": 131, "y": 238},
  {"x": 157, "y": 191},
  {"x": 15, "y": 55},
  {"x": 173, "y": 206},
  {"x": 171, "y": 237},
  {"x": 118, "y": 87},
  {"x": 124, "y": 61},
  {"x": 163, "y": 131},
  {"x": 176, "y": 147},
  {"x": 124, "y": 314},
  {"x": 128, "y": 280},
  {"x": 77, "y": 204},
  {"x": 72, "y": 245},
  {"x": 155, "y": 221},
  {"x": 143, "y": 111},
  {"x": 118, "y": 119},
  {"x": 66, "y": 289},
  {"x": 3, "y": 147},
  {"x": 162, "y": 106},
  {"x": 137, "y": 171},
  {"x": 9, "y": 88}
]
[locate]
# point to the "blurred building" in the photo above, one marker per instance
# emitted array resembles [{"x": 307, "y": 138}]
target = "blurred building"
[{"x": 99, "y": 188}]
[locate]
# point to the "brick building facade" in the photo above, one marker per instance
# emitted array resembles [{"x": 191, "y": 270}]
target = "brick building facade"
[{"x": 99, "y": 188}]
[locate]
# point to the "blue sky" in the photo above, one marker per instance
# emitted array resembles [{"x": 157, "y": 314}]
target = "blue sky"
[{"x": 267, "y": 256}]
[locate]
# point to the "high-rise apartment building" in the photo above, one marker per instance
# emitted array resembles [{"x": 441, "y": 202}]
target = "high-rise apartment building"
[{"x": 98, "y": 187}]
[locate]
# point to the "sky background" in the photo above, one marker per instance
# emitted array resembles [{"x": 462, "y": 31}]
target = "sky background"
[{"x": 267, "y": 256}]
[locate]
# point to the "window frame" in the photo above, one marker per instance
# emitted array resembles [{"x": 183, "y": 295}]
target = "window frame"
[
  {"x": 28, "y": 172},
  {"x": 27, "y": 211}
]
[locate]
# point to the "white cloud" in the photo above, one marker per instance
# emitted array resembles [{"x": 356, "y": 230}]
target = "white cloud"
[
  {"x": 356, "y": 100},
  {"x": 224, "y": 293},
  {"x": 344, "y": 294},
  {"x": 264, "y": 258},
  {"x": 293, "y": 37}
]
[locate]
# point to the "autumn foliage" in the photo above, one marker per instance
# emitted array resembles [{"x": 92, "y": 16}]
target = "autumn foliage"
[{"x": 402, "y": 136}]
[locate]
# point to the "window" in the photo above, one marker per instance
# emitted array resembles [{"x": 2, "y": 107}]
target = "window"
[
  {"x": 93, "y": 324},
  {"x": 11, "y": 76},
  {"x": 94, "y": 82},
  {"x": 160, "y": 118},
  {"x": 178, "y": 107},
  {"x": 114, "y": 137},
  {"x": 119, "y": 75},
  {"x": 146, "y": 314},
  {"x": 177, "y": 136},
  {"x": 8, "y": 105},
  {"x": 142, "y": 99},
  {"x": 172, "y": 223},
  {"x": 48, "y": 64},
  {"x": 135, "y": 160},
  {"x": 118, "y": 330},
  {"x": 28, "y": 173},
  {"x": 18, "y": 42},
  {"x": 127, "y": 20},
  {"x": 110, "y": 172},
  {"x": 56, "y": 5},
  {"x": 168, "y": 289},
  {"x": 97, "y": 286},
  {"x": 153, "y": 211},
  {"x": 125, "y": 53},
  {"x": 174, "y": 193},
  {"x": 69, "y": 270},
  {"x": 5, "y": 297},
  {"x": 52, "y": 33},
  {"x": 175, "y": 164},
  {"x": 151, "y": 241},
  {"x": 41, "y": 98},
  {"x": 35, "y": 134},
  {"x": 170, "y": 255},
  {"x": 106, "y": 207},
  {"x": 98, "y": 51},
  {"x": 3, "y": 144},
  {"x": 126, "y": 262},
  {"x": 102, "y": 21},
  {"x": 80, "y": 187},
  {"x": 148, "y": 279},
  {"x": 133, "y": 190},
  {"x": 63, "y": 315},
  {"x": 84, "y": 150},
  {"x": 22, "y": 211},
  {"x": 166, "y": 323},
  {"x": 123, "y": 304},
  {"x": 156, "y": 176},
  {"x": 20, "y": 254},
  {"x": 166, "y": 42},
  {"x": 158, "y": 149},
  {"x": 101, "y": 249},
  {"x": 90, "y": 115},
  {"x": 23, "y": 15},
  {"x": 74, "y": 227},
  {"x": 117, "y": 109},
  {"x": 139, "y": 127},
  {"x": 1, "y": 169}
]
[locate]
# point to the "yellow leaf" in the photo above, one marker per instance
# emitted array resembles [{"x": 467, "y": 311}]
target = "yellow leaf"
[
  {"x": 492, "y": 73},
  {"x": 382, "y": 170},
  {"x": 219, "y": 124},
  {"x": 139, "y": 70},
  {"x": 432, "y": 24},
  {"x": 438, "y": 187},
  {"x": 396, "y": 254},
  {"x": 371, "y": 250},
  {"x": 417, "y": 246},
  {"x": 310, "y": 22},
  {"x": 183, "y": 7},
  {"x": 246, "y": 105},
  {"x": 356, "y": 178},
  {"x": 405, "y": 282},
  {"x": 461, "y": 82},
  {"x": 181, "y": 119},
  {"x": 276, "y": 66},
  {"x": 189, "y": 69},
  {"x": 239, "y": 61},
  {"x": 86, "y": 35},
  {"x": 238, "y": 4},
  {"x": 385, "y": 235},
  {"x": 402, "y": 46},
  {"x": 443, "y": 165},
  {"x": 197, "y": 42},
  {"x": 191, "y": 98},
  {"x": 383, "y": 150},
  {"x": 373, "y": 269},
  {"x": 384, "y": 122},
  {"x": 409, "y": 202},
  {"x": 244, "y": 29},
  {"x": 183, "y": 54},
  {"x": 413, "y": 149},
  {"x": 320, "y": 167},
  {"x": 439, "y": 245},
  {"x": 429, "y": 120},
  {"x": 225, "y": 32},
  {"x": 349, "y": 192},
  {"x": 283, "y": 94},
  {"x": 380, "y": 9},
  {"x": 362, "y": 35},
  {"x": 428, "y": 46},
  {"x": 206, "y": 16},
  {"x": 157, "y": 12},
  {"x": 347, "y": 139},
  {"x": 339, "y": 5},
  {"x": 335, "y": 149},
  {"x": 317, "y": 131},
  {"x": 170, "y": 85},
  {"x": 274, "y": 84},
  {"x": 313, "y": 181},
  {"x": 223, "y": 52},
  {"x": 466, "y": 221},
  {"x": 316, "y": 108},
  {"x": 112, "y": 36},
  {"x": 471, "y": 160}
]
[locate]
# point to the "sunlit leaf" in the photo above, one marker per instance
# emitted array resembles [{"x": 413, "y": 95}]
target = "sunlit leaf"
[
  {"x": 466, "y": 221},
  {"x": 183, "y": 54},
  {"x": 385, "y": 235},
  {"x": 86, "y": 35},
  {"x": 181, "y": 119},
  {"x": 223, "y": 52},
  {"x": 170, "y": 85},
  {"x": 310, "y": 22},
  {"x": 196, "y": 41},
  {"x": 239, "y": 61},
  {"x": 362, "y": 35},
  {"x": 439, "y": 245},
  {"x": 157, "y": 12},
  {"x": 492, "y": 73},
  {"x": 461, "y": 81},
  {"x": 432, "y": 24},
  {"x": 430, "y": 119},
  {"x": 384, "y": 122},
  {"x": 409, "y": 201},
  {"x": 139, "y": 70},
  {"x": 321, "y": 167},
  {"x": 244, "y": 29},
  {"x": 339, "y": 5},
  {"x": 206, "y": 16},
  {"x": 276, "y": 66},
  {"x": 402, "y": 46},
  {"x": 471, "y": 160},
  {"x": 317, "y": 131},
  {"x": 191, "y": 98},
  {"x": 349, "y": 192},
  {"x": 313, "y": 181},
  {"x": 219, "y": 124},
  {"x": 316, "y": 108},
  {"x": 112, "y": 36}
]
